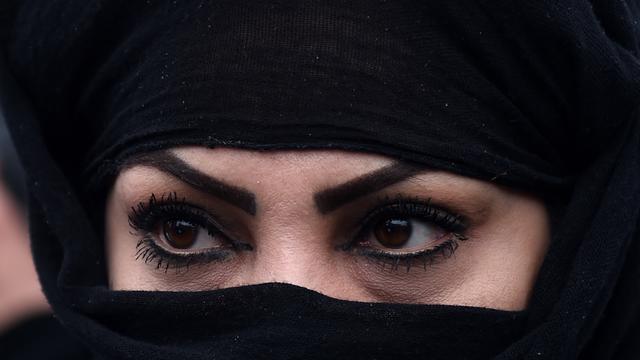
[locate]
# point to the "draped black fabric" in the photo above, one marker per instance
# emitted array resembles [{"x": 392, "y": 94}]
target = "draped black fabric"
[
  {"x": 40, "y": 337},
  {"x": 538, "y": 95}
]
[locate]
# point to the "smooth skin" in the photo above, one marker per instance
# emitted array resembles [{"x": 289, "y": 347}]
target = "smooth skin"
[{"x": 293, "y": 242}]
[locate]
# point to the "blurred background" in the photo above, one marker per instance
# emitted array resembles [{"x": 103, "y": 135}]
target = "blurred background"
[
  {"x": 28, "y": 329},
  {"x": 20, "y": 294}
]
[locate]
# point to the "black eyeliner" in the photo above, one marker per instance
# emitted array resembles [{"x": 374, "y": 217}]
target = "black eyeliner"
[
  {"x": 145, "y": 218},
  {"x": 425, "y": 210},
  {"x": 422, "y": 258},
  {"x": 148, "y": 251}
]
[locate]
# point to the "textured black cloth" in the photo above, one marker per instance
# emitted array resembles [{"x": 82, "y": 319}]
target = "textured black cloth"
[
  {"x": 538, "y": 95},
  {"x": 41, "y": 337}
]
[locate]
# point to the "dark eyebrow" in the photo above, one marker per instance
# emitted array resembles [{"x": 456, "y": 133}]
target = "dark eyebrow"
[
  {"x": 331, "y": 199},
  {"x": 167, "y": 162}
]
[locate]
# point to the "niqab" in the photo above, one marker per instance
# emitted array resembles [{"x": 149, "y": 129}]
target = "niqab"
[{"x": 541, "y": 96}]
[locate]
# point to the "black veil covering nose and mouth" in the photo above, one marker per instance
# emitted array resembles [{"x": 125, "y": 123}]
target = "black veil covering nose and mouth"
[{"x": 539, "y": 95}]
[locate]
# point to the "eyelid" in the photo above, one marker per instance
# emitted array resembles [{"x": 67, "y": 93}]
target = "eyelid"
[
  {"x": 212, "y": 223},
  {"x": 402, "y": 205},
  {"x": 146, "y": 216},
  {"x": 209, "y": 210},
  {"x": 412, "y": 206}
]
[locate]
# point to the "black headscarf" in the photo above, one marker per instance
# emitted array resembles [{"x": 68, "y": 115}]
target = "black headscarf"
[{"x": 538, "y": 95}]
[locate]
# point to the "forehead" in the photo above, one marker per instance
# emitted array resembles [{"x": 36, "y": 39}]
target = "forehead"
[{"x": 330, "y": 162}]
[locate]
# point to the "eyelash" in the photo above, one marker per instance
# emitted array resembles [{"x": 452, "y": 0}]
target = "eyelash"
[
  {"x": 145, "y": 217},
  {"x": 455, "y": 224}
]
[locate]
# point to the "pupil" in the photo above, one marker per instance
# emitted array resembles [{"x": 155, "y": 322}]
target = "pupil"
[
  {"x": 180, "y": 234},
  {"x": 393, "y": 232}
]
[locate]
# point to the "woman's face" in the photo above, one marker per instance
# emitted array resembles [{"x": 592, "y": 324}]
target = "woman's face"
[{"x": 353, "y": 226}]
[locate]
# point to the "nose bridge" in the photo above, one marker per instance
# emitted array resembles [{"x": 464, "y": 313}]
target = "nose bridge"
[
  {"x": 291, "y": 240},
  {"x": 291, "y": 246},
  {"x": 293, "y": 255}
]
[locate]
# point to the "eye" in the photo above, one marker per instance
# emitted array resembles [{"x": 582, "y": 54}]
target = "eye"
[
  {"x": 175, "y": 234},
  {"x": 186, "y": 235},
  {"x": 405, "y": 233}
]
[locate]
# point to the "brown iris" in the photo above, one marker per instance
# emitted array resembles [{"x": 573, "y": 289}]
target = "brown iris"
[
  {"x": 180, "y": 234},
  {"x": 393, "y": 232}
]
